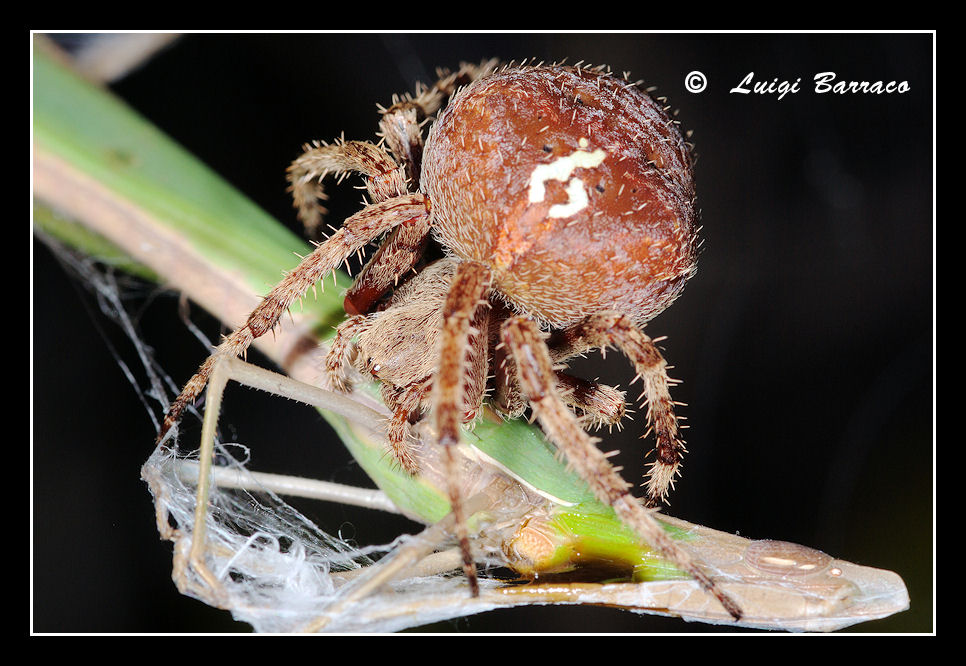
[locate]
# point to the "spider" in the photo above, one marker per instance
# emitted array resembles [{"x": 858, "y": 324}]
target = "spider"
[{"x": 563, "y": 199}]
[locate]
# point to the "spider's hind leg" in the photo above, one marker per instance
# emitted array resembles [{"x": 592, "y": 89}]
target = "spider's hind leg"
[
  {"x": 611, "y": 328},
  {"x": 526, "y": 345},
  {"x": 597, "y": 405}
]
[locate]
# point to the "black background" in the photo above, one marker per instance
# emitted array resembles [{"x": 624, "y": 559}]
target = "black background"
[{"x": 805, "y": 342}]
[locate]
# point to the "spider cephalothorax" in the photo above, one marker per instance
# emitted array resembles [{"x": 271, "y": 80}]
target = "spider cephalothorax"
[{"x": 564, "y": 202}]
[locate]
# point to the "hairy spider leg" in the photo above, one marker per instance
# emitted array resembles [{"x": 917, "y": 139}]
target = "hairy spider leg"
[
  {"x": 396, "y": 255},
  {"x": 597, "y": 404},
  {"x": 340, "y": 354},
  {"x": 467, "y": 295},
  {"x": 400, "y": 127},
  {"x": 405, "y": 404},
  {"x": 384, "y": 177},
  {"x": 601, "y": 330},
  {"x": 527, "y": 346},
  {"x": 357, "y": 231}
]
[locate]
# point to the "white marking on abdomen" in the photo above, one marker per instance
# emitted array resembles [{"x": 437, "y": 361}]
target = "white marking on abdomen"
[{"x": 561, "y": 169}]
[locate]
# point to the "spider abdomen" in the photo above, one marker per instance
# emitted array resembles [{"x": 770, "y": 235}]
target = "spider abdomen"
[{"x": 573, "y": 186}]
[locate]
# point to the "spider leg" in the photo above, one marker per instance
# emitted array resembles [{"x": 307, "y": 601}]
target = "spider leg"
[
  {"x": 431, "y": 98},
  {"x": 404, "y": 403},
  {"x": 598, "y": 404},
  {"x": 400, "y": 125},
  {"x": 384, "y": 177},
  {"x": 398, "y": 253},
  {"x": 401, "y": 128},
  {"x": 357, "y": 231},
  {"x": 341, "y": 352},
  {"x": 612, "y": 328},
  {"x": 526, "y": 345},
  {"x": 453, "y": 378}
]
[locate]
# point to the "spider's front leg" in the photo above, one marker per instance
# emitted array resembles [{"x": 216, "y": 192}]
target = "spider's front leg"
[
  {"x": 401, "y": 128},
  {"x": 383, "y": 176},
  {"x": 400, "y": 124},
  {"x": 528, "y": 349},
  {"x": 405, "y": 404},
  {"x": 357, "y": 231},
  {"x": 460, "y": 382},
  {"x": 398, "y": 253},
  {"x": 341, "y": 353}
]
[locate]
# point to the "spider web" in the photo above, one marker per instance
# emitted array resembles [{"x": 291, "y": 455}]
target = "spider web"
[{"x": 277, "y": 570}]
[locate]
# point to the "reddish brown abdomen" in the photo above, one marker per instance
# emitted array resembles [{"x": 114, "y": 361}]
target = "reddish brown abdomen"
[{"x": 573, "y": 186}]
